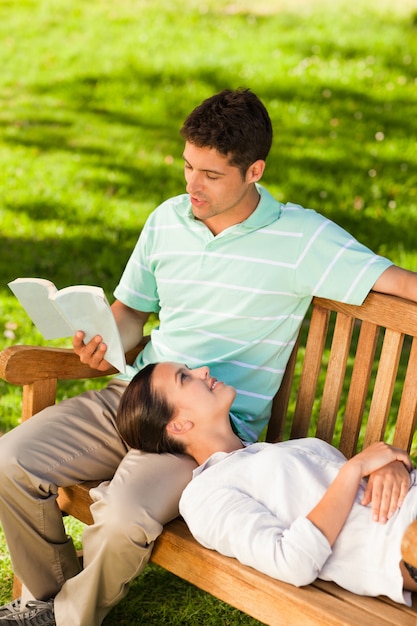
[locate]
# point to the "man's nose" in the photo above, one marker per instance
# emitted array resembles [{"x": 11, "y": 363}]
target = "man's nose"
[{"x": 193, "y": 183}]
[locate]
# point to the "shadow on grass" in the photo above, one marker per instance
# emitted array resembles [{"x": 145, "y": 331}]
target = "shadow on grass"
[
  {"x": 324, "y": 147},
  {"x": 337, "y": 142},
  {"x": 92, "y": 260},
  {"x": 158, "y": 597}
]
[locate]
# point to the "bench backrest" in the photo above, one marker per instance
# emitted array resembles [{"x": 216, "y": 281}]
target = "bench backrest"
[
  {"x": 355, "y": 357},
  {"x": 338, "y": 385}
]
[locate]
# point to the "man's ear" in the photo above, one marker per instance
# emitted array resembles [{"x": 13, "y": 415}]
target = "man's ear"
[
  {"x": 255, "y": 171},
  {"x": 179, "y": 426}
]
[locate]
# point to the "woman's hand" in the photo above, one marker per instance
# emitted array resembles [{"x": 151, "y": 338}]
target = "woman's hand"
[
  {"x": 386, "y": 489},
  {"x": 387, "y": 485},
  {"x": 378, "y": 455},
  {"x": 331, "y": 512}
]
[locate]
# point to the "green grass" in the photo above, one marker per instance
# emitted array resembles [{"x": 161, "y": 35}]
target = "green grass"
[{"x": 92, "y": 94}]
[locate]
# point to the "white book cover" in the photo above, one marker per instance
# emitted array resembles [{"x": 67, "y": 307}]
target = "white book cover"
[{"x": 60, "y": 313}]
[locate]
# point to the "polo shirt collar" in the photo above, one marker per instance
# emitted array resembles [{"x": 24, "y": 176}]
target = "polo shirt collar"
[{"x": 267, "y": 211}]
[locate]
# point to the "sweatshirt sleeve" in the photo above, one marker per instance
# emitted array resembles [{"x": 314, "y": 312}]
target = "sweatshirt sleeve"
[{"x": 237, "y": 525}]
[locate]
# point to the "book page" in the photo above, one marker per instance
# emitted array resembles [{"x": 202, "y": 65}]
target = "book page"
[
  {"x": 33, "y": 294},
  {"x": 88, "y": 309},
  {"x": 61, "y": 313}
]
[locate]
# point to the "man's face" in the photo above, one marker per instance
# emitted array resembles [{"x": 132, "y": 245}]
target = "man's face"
[{"x": 220, "y": 197}]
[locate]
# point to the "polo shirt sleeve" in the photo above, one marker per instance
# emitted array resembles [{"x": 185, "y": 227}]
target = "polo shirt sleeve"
[
  {"x": 237, "y": 525},
  {"x": 137, "y": 287},
  {"x": 333, "y": 264}
]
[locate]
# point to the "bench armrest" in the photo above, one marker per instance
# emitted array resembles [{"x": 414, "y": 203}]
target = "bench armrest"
[{"x": 23, "y": 365}]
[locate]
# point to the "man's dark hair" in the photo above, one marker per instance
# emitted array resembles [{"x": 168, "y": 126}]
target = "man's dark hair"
[
  {"x": 235, "y": 123},
  {"x": 143, "y": 414}
]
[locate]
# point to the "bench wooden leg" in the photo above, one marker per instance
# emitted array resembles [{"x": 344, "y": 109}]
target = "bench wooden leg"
[{"x": 17, "y": 588}]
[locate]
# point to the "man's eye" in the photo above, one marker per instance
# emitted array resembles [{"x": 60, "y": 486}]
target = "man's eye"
[
  {"x": 211, "y": 177},
  {"x": 184, "y": 376}
]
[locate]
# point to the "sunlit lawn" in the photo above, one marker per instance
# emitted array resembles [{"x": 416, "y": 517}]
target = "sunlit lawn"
[{"x": 92, "y": 94}]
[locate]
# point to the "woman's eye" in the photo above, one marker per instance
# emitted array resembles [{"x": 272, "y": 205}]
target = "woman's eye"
[{"x": 184, "y": 376}]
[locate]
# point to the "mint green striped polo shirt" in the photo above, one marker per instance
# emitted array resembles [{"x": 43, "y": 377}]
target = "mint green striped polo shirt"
[{"x": 235, "y": 301}]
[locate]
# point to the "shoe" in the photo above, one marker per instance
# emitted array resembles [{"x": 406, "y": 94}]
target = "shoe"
[
  {"x": 12, "y": 607},
  {"x": 35, "y": 613}
]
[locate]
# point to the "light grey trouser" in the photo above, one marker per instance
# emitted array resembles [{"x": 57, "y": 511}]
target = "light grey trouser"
[{"x": 73, "y": 441}]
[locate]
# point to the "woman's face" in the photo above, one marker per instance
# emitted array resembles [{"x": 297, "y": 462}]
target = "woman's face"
[{"x": 193, "y": 393}]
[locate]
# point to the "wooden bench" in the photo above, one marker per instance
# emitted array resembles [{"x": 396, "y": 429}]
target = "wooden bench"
[{"x": 362, "y": 352}]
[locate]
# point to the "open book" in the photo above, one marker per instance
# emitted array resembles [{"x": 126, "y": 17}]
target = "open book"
[{"x": 61, "y": 313}]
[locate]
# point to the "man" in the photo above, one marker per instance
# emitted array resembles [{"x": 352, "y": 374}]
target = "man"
[{"x": 231, "y": 272}]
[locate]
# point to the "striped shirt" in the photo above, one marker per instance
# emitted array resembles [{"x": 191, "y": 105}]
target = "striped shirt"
[{"x": 235, "y": 301}]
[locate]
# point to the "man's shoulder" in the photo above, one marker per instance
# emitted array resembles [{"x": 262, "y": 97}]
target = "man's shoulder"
[
  {"x": 297, "y": 217},
  {"x": 286, "y": 212}
]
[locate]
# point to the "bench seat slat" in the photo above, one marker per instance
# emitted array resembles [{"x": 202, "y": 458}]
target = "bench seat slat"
[{"x": 279, "y": 604}]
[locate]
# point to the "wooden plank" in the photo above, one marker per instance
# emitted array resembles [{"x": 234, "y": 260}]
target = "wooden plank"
[
  {"x": 260, "y": 596},
  {"x": 381, "y": 309},
  {"x": 250, "y": 591},
  {"x": 358, "y": 388},
  {"x": 26, "y": 364},
  {"x": 280, "y": 403},
  {"x": 22, "y": 365},
  {"x": 407, "y": 412},
  {"x": 335, "y": 376},
  {"x": 76, "y": 501},
  {"x": 381, "y": 609},
  {"x": 37, "y": 396},
  {"x": 311, "y": 368},
  {"x": 384, "y": 385}
]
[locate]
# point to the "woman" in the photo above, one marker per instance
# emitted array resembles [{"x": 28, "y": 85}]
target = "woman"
[{"x": 293, "y": 510}]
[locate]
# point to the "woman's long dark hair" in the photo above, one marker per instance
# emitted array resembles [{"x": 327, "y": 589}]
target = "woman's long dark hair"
[{"x": 143, "y": 415}]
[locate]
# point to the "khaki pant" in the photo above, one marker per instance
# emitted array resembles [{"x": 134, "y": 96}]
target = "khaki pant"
[{"x": 73, "y": 441}]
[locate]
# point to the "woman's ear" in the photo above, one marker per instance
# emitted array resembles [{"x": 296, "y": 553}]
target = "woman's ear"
[{"x": 179, "y": 426}]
